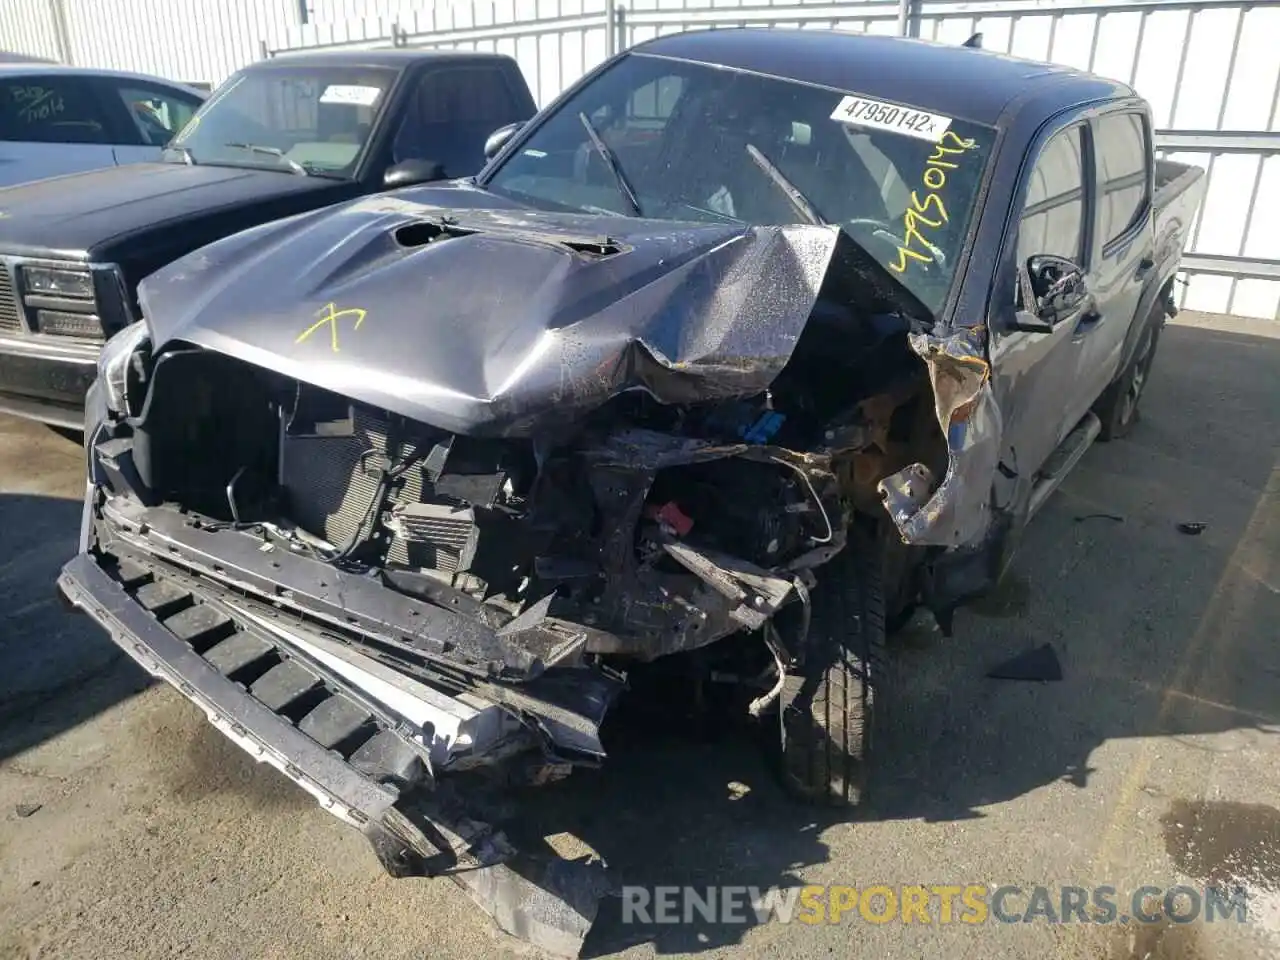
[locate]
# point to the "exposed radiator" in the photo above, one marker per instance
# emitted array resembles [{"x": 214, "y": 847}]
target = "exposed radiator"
[{"x": 331, "y": 480}]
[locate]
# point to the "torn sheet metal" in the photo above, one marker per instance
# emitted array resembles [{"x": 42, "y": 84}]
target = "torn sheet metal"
[{"x": 958, "y": 511}]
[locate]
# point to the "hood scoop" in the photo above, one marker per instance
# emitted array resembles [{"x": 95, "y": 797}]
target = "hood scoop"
[{"x": 421, "y": 233}]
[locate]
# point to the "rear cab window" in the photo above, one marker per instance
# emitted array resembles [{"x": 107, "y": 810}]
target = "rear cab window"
[
  {"x": 451, "y": 113},
  {"x": 1124, "y": 188},
  {"x": 51, "y": 109}
]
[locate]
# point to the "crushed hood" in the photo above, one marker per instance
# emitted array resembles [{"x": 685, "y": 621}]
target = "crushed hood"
[{"x": 498, "y": 318}]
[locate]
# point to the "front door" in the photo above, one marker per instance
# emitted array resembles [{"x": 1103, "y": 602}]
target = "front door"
[{"x": 1034, "y": 372}]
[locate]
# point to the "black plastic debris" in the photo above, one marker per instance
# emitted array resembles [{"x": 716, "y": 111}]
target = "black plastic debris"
[
  {"x": 1192, "y": 528},
  {"x": 1040, "y": 664},
  {"x": 27, "y": 809}
]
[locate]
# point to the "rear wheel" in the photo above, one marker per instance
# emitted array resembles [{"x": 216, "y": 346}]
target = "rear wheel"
[
  {"x": 827, "y": 706},
  {"x": 1118, "y": 409}
]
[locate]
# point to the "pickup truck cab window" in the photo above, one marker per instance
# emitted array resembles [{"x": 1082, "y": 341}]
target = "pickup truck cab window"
[
  {"x": 313, "y": 119},
  {"x": 156, "y": 114},
  {"x": 1121, "y": 145},
  {"x": 1053, "y": 217},
  {"x": 452, "y": 111},
  {"x": 695, "y": 143},
  {"x": 51, "y": 109}
]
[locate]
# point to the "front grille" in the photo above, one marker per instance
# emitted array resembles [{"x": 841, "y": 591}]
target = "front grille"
[
  {"x": 10, "y": 321},
  {"x": 286, "y": 687}
]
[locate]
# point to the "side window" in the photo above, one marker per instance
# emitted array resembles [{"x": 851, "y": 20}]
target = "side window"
[
  {"x": 451, "y": 115},
  {"x": 1121, "y": 148},
  {"x": 1053, "y": 217},
  {"x": 156, "y": 113},
  {"x": 51, "y": 110}
]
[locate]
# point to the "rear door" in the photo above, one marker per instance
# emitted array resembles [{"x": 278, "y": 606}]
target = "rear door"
[
  {"x": 1035, "y": 371},
  {"x": 452, "y": 112},
  {"x": 51, "y": 125},
  {"x": 1122, "y": 245}
]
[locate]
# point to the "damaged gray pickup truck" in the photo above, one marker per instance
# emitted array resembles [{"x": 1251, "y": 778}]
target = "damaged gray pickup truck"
[{"x": 749, "y": 344}]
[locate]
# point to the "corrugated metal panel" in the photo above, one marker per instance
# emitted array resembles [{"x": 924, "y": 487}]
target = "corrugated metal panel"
[
  {"x": 27, "y": 26},
  {"x": 197, "y": 40},
  {"x": 181, "y": 39}
]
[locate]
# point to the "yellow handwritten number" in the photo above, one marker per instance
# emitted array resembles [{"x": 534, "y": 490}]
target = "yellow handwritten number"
[
  {"x": 329, "y": 315},
  {"x": 934, "y": 179}
]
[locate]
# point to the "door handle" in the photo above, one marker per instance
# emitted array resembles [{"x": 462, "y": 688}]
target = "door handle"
[{"x": 1145, "y": 266}]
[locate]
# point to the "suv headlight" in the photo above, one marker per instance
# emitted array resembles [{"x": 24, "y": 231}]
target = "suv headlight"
[
  {"x": 113, "y": 364},
  {"x": 61, "y": 301},
  {"x": 58, "y": 283}
]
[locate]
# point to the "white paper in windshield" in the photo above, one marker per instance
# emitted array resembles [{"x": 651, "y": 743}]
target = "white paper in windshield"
[
  {"x": 878, "y": 115},
  {"x": 350, "y": 93}
]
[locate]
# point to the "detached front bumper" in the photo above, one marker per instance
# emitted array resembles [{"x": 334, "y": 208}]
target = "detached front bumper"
[
  {"x": 46, "y": 380},
  {"x": 382, "y": 787}
]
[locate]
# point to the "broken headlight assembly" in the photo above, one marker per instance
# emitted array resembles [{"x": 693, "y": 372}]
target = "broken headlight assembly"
[{"x": 123, "y": 353}]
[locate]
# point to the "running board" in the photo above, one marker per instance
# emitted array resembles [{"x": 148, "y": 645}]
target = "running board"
[{"x": 1061, "y": 461}]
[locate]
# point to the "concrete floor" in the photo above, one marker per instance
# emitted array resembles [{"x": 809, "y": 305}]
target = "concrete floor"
[{"x": 1155, "y": 760}]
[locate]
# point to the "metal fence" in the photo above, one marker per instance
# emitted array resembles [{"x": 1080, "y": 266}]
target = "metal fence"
[{"x": 1209, "y": 68}]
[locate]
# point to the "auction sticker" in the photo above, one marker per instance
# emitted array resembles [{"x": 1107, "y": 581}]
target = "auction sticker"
[
  {"x": 350, "y": 93},
  {"x": 878, "y": 115}
]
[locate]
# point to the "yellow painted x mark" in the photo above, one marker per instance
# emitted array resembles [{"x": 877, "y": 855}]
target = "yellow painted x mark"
[{"x": 329, "y": 316}]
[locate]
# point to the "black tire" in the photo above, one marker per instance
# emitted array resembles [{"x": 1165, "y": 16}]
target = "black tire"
[
  {"x": 1118, "y": 407},
  {"x": 827, "y": 708}
]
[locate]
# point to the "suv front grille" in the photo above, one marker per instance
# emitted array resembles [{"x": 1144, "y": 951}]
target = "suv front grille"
[{"x": 9, "y": 319}]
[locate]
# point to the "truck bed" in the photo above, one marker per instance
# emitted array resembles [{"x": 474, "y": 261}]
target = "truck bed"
[{"x": 1179, "y": 189}]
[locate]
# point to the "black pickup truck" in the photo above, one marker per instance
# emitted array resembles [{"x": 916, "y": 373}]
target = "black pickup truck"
[
  {"x": 281, "y": 137},
  {"x": 748, "y": 344}
]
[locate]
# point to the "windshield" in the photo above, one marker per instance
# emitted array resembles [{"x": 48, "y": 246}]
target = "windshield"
[
  {"x": 686, "y": 141},
  {"x": 314, "y": 120}
]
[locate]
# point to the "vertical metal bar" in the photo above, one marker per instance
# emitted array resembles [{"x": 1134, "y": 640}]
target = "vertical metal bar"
[
  {"x": 1231, "y": 69},
  {"x": 1013, "y": 32},
  {"x": 1137, "y": 46},
  {"x": 61, "y": 35},
  {"x": 1182, "y": 69},
  {"x": 904, "y": 18},
  {"x": 1053, "y": 31},
  {"x": 610, "y": 28},
  {"x": 1093, "y": 43}
]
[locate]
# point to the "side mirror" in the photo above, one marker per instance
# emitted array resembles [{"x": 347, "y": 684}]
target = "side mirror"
[
  {"x": 1057, "y": 290},
  {"x": 408, "y": 172},
  {"x": 498, "y": 139}
]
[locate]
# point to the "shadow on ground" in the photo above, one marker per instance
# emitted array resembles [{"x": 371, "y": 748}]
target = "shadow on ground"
[{"x": 57, "y": 669}]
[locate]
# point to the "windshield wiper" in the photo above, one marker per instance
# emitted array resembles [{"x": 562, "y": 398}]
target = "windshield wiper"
[
  {"x": 792, "y": 192},
  {"x": 276, "y": 152},
  {"x": 611, "y": 161}
]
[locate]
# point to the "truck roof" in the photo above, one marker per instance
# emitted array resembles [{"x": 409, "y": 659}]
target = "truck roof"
[
  {"x": 958, "y": 81},
  {"x": 398, "y": 58}
]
